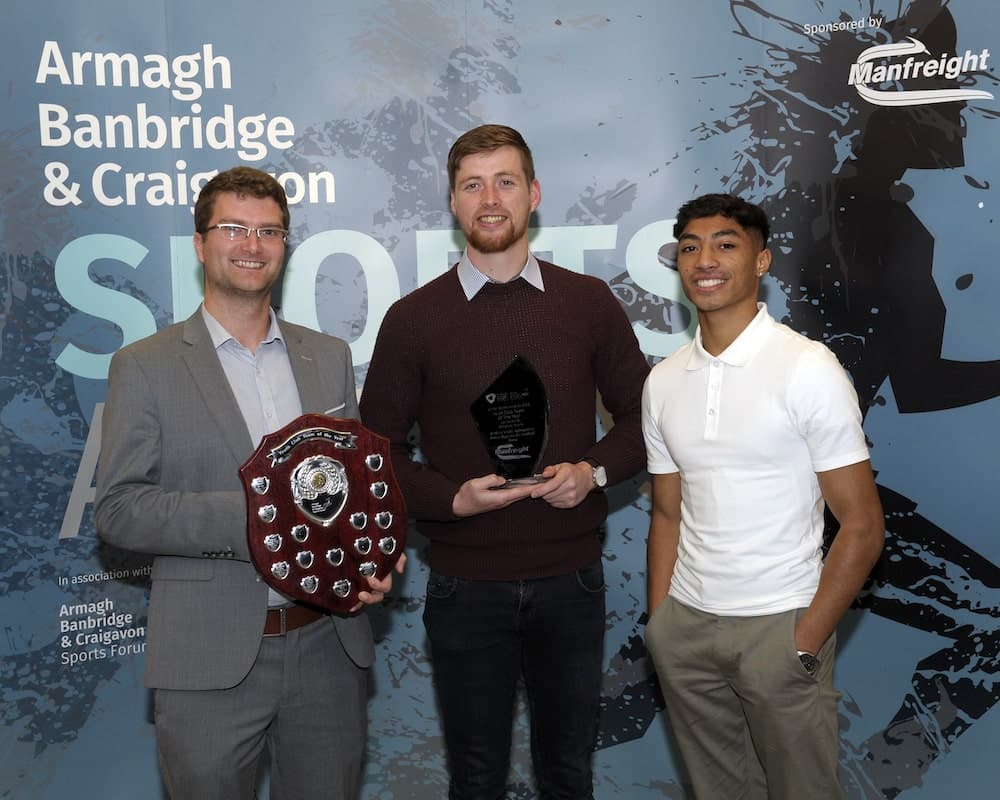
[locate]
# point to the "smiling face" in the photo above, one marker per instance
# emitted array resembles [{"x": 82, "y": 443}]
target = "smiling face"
[
  {"x": 493, "y": 200},
  {"x": 245, "y": 269},
  {"x": 720, "y": 264}
]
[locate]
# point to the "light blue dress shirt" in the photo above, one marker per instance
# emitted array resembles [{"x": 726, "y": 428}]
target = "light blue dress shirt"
[{"x": 263, "y": 384}]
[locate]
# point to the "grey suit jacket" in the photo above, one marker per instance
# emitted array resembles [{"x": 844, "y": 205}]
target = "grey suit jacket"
[{"x": 168, "y": 483}]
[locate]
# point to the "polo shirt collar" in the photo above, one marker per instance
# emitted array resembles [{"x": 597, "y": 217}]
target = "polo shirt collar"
[
  {"x": 740, "y": 351},
  {"x": 473, "y": 280}
]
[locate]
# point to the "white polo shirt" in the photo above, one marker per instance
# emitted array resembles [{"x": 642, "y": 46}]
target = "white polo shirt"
[{"x": 748, "y": 430}]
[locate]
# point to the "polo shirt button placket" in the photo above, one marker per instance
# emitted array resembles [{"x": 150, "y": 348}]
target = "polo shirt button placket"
[{"x": 712, "y": 416}]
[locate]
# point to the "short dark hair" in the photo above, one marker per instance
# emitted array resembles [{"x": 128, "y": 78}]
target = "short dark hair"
[
  {"x": 486, "y": 139},
  {"x": 747, "y": 215},
  {"x": 242, "y": 181}
]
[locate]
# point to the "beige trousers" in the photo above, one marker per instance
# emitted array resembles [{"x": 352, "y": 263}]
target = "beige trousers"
[{"x": 749, "y": 721}]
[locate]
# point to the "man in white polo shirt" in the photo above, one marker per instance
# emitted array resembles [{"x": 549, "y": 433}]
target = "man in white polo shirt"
[{"x": 750, "y": 429}]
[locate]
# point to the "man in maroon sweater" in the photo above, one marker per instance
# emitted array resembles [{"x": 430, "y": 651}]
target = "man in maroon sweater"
[{"x": 516, "y": 586}]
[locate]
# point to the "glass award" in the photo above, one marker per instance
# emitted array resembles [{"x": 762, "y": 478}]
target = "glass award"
[{"x": 512, "y": 416}]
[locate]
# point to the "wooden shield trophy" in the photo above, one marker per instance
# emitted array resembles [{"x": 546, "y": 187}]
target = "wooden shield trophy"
[{"x": 324, "y": 510}]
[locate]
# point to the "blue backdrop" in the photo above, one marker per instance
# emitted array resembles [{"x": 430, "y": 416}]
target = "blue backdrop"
[{"x": 866, "y": 129}]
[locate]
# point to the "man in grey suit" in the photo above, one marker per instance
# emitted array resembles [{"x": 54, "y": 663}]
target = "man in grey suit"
[{"x": 237, "y": 668}]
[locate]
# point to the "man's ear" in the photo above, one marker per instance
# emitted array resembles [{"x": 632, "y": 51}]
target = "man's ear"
[
  {"x": 199, "y": 245},
  {"x": 763, "y": 262}
]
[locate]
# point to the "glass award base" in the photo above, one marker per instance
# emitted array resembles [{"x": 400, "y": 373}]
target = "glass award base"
[{"x": 531, "y": 480}]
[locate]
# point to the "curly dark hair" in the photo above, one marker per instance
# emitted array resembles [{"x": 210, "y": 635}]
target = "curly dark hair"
[{"x": 749, "y": 216}]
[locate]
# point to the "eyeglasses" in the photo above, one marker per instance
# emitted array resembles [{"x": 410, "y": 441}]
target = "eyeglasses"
[{"x": 235, "y": 233}]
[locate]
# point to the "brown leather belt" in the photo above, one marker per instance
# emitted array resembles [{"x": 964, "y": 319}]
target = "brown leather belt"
[{"x": 281, "y": 620}]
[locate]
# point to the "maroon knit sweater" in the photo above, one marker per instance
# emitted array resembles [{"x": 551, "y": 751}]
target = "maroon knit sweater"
[{"x": 435, "y": 354}]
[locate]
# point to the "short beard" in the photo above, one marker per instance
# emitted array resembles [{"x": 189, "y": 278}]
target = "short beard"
[{"x": 496, "y": 242}]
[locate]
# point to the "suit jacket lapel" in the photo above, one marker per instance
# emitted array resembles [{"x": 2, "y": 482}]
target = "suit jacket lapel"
[
  {"x": 305, "y": 367},
  {"x": 211, "y": 382}
]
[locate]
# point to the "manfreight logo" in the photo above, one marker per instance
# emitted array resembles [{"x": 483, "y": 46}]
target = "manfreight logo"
[{"x": 911, "y": 59}]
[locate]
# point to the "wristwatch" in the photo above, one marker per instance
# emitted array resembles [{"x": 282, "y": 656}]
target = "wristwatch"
[
  {"x": 599, "y": 474},
  {"x": 809, "y": 661}
]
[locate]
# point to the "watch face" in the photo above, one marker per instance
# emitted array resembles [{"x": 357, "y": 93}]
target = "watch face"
[
  {"x": 600, "y": 477},
  {"x": 811, "y": 663}
]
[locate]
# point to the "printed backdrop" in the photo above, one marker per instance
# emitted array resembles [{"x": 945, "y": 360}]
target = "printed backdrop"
[{"x": 866, "y": 128}]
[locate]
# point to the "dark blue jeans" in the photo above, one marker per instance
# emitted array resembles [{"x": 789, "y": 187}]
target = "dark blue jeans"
[{"x": 484, "y": 636}]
